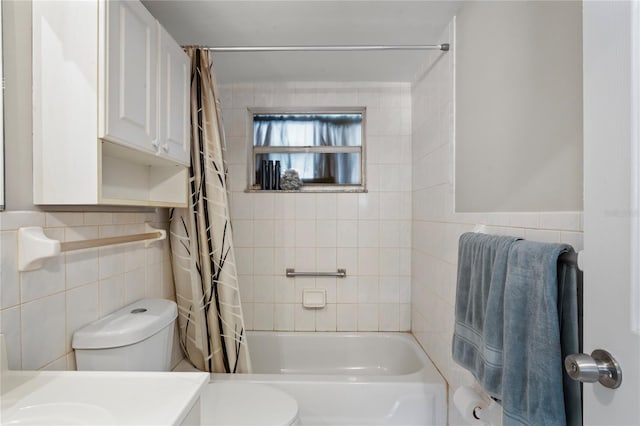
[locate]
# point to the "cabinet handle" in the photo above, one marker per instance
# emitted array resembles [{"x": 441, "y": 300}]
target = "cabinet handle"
[
  {"x": 154, "y": 143},
  {"x": 165, "y": 147}
]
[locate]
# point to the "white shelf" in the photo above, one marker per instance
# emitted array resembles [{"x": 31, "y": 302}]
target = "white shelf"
[{"x": 132, "y": 178}]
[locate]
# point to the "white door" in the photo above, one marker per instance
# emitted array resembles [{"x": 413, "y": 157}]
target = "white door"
[
  {"x": 174, "y": 100},
  {"x": 611, "y": 215},
  {"x": 131, "y": 75}
]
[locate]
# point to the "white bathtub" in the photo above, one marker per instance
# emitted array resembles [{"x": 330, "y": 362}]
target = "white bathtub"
[{"x": 349, "y": 378}]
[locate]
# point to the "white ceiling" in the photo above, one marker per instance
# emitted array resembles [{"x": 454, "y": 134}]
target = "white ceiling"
[{"x": 307, "y": 22}]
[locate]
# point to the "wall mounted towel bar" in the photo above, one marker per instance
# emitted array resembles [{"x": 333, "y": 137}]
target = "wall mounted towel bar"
[
  {"x": 34, "y": 246},
  {"x": 340, "y": 273},
  {"x": 570, "y": 258}
]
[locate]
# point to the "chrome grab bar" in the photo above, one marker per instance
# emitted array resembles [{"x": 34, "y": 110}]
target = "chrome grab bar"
[{"x": 340, "y": 273}]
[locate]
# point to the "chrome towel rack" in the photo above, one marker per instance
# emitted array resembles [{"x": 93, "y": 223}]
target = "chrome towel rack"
[
  {"x": 340, "y": 273},
  {"x": 34, "y": 246}
]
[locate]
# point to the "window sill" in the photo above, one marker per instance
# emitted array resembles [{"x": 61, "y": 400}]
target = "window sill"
[{"x": 308, "y": 190}]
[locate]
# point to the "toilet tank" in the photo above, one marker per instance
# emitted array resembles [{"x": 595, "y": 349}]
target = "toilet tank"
[{"x": 137, "y": 337}]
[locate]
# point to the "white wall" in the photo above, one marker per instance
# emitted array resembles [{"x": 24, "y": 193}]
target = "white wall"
[
  {"x": 366, "y": 233},
  {"x": 16, "y": 51},
  {"x": 435, "y": 226},
  {"x": 40, "y": 310},
  {"x": 519, "y": 106}
]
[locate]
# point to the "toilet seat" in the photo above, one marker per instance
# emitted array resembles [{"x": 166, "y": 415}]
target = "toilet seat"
[{"x": 247, "y": 404}]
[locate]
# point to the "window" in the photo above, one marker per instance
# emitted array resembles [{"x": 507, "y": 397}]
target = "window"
[{"x": 325, "y": 147}]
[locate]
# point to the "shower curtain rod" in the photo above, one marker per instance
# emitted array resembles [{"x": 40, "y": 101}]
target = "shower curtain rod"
[{"x": 229, "y": 49}]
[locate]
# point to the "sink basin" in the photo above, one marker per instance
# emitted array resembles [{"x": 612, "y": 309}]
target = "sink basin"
[
  {"x": 98, "y": 398},
  {"x": 58, "y": 414}
]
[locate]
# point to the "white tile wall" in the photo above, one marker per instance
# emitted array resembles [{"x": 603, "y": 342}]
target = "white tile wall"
[
  {"x": 41, "y": 309},
  {"x": 367, "y": 233},
  {"x": 435, "y": 226}
]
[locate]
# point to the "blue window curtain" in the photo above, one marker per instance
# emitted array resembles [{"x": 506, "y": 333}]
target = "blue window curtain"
[{"x": 313, "y": 130}]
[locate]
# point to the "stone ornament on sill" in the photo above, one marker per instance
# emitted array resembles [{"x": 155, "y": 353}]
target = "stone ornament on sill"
[{"x": 290, "y": 180}]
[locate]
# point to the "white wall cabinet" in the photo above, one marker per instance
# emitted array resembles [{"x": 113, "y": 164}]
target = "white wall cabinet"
[
  {"x": 110, "y": 106},
  {"x": 131, "y": 77},
  {"x": 174, "y": 105}
]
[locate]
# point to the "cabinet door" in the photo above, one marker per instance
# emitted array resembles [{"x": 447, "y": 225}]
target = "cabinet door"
[
  {"x": 131, "y": 76},
  {"x": 174, "y": 100}
]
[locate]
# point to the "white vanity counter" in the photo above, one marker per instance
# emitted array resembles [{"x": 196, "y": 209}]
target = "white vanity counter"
[{"x": 100, "y": 398}]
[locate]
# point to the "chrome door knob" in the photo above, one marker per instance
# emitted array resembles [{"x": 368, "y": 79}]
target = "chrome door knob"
[
  {"x": 582, "y": 367},
  {"x": 600, "y": 366}
]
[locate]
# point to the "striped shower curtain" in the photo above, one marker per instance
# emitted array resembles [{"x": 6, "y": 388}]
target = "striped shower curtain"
[{"x": 210, "y": 321}]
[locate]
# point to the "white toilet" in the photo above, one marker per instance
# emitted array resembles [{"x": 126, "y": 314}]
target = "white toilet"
[
  {"x": 139, "y": 337},
  {"x": 238, "y": 403}
]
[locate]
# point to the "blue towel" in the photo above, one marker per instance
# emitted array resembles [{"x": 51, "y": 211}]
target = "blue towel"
[
  {"x": 541, "y": 327},
  {"x": 477, "y": 339}
]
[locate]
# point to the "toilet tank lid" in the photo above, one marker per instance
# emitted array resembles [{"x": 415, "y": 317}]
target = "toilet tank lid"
[{"x": 131, "y": 324}]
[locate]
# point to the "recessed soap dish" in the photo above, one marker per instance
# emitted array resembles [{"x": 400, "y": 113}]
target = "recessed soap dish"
[{"x": 314, "y": 298}]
